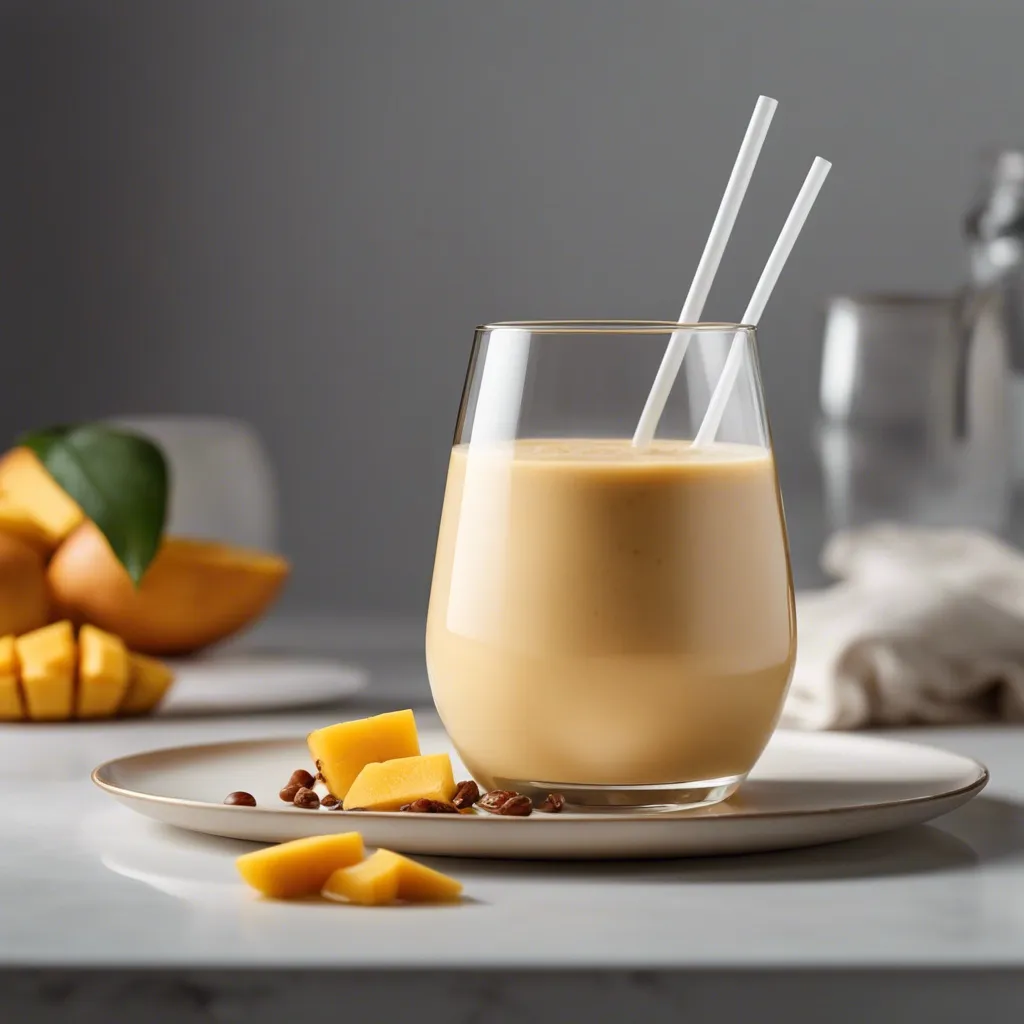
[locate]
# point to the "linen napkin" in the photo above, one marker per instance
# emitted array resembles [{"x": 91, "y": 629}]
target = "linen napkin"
[{"x": 925, "y": 626}]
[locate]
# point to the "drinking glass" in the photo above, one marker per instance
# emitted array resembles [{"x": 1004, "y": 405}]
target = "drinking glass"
[
  {"x": 609, "y": 622},
  {"x": 915, "y": 411},
  {"x": 223, "y": 482}
]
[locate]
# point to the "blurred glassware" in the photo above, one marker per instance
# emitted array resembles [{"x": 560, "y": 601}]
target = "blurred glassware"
[
  {"x": 914, "y": 409},
  {"x": 994, "y": 227},
  {"x": 222, "y": 480}
]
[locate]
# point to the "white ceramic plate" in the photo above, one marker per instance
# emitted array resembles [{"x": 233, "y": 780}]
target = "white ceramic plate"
[
  {"x": 808, "y": 788},
  {"x": 229, "y": 683}
]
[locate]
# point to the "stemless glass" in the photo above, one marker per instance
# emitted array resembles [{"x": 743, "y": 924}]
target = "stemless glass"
[{"x": 609, "y": 622}]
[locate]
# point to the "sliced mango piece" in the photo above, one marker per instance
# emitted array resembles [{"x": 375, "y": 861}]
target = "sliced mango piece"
[
  {"x": 102, "y": 673},
  {"x": 342, "y": 751},
  {"x": 148, "y": 682},
  {"x": 19, "y": 522},
  {"x": 387, "y": 785},
  {"x": 48, "y": 657},
  {"x": 419, "y": 884},
  {"x": 385, "y": 877},
  {"x": 24, "y": 601},
  {"x": 12, "y": 708},
  {"x": 301, "y": 867},
  {"x": 372, "y": 883},
  {"x": 25, "y": 482},
  {"x": 193, "y": 594}
]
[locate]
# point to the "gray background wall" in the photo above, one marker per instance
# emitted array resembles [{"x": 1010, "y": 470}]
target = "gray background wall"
[{"x": 296, "y": 212}]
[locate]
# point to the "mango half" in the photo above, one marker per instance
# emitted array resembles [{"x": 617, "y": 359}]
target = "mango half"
[{"x": 193, "y": 594}]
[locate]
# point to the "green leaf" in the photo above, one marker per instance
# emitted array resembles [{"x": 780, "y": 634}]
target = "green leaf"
[{"x": 119, "y": 479}]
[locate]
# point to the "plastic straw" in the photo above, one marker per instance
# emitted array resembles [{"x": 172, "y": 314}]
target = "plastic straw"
[
  {"x": 732, "y": 199},
  {"x": 762, "y": 293}
]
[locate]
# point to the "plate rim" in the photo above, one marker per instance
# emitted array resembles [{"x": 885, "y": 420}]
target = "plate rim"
[{"x": 982, "y": 779}]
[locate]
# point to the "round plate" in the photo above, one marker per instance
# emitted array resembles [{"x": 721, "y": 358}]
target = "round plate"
[
  {"x": 808, "y": 788},
  {"x": 224, "y": 683}
]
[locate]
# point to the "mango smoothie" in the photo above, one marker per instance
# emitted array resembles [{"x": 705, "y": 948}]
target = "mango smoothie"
[{"x": 609, "y": 616}]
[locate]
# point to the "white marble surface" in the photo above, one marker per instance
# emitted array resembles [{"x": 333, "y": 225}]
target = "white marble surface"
[{"x": 84, "y": 883}]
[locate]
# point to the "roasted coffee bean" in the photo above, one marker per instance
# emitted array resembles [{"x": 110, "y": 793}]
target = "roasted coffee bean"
[
  {"x": 240, "y": 799},
  {"x": 507, "y": 803},
  {"x": 339, "y": 806},
  {"x": 495, "y": 798},
  {"x": 430, "y": 807},
  {"x": 302, "y": 778},
  {"x": 329, "y": 801},
  {"x": 553, "y": 804},
  {"x": 466, "y": 794},
  {"x": 288, "y": 793},
  {"x": 306, "y": 799},
  {"x": 516, "y": 807}
]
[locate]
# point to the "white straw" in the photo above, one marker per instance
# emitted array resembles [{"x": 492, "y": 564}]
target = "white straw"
[
  {"x": 735, "y": 190},
  {"x": 762, "y": 293}
]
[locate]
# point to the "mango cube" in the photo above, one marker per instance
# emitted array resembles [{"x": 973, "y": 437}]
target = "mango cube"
[
  {"x": 11, "y": 707},
  {"x": 371, "y": 884},
  {"x": 386, "y": 877},
  {"x": 48, "y": 659},
  {"x": 342, "y": 751},
  {"x": 301, "y": 867},
  {"x": 387, "y": 785},
  {"x": 20, "y": 523},
  {"x": 102, "y": 673},
  {"x": 148, "y": 681},
  {"x": 24, "y": 482}
]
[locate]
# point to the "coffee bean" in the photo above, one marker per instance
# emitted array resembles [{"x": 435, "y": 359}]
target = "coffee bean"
[
  {"x": 302, "y": 778},
  {"x": 517, "y": 807},
  {"x": 329, "y": 801},
  {"x": 507, "y": 803},
  {"x": 306, "y": 799},
  {"x": 466, "y": 794},
  {"x": 495, "y": 798},
  {"x": 240, "y": 799},
  {"x": 424, "y": 806},
  {"x": 288, "y": 793},
  {"x": 553, "y": 804}
]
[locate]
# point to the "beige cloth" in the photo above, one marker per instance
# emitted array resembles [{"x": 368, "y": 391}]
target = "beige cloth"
[{"x": 925, "y": 626}]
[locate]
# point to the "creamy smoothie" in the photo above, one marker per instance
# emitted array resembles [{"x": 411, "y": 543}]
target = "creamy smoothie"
[{"x": 607, "y": 616}]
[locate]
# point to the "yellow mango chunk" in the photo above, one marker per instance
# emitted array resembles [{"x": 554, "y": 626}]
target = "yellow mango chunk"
[
  {"x": 12, "y": 708},
  {"x": 19, "y": 522},
  {"x": 48, "y": 657},
  {"x": 301, "y": 867},
  {"x": 342, "y": 751},
  {"x": 385, "y": 877},
  {"x": 372, "y": 883},
  {"x": 387, "y": 785},
  {"x": 148, "y": 682},
  {"x": 24, "y": 482},
  {"x": 102, "y": 673}
]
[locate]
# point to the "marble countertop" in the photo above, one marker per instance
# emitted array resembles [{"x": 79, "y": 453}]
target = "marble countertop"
[{"x": 101, "y": 907}]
